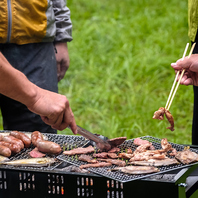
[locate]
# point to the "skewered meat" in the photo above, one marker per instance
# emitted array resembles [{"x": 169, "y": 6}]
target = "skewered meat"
[
  {"x": 46, "y": 146},
  {"x": 155, "y": 162},
  {"x": 159, "y": 114},
  {"x": 136, "y": 169},
  {"x": 80, "y": 150},
  {"x": 117, "y": 162},
  {"x": 87, "y": 158},
  {"x": 186, "y": 156},
  {"x": 23, "y": 137},
  {"x": 100, "y": 164},
  {"x": 170, "y": 119}
]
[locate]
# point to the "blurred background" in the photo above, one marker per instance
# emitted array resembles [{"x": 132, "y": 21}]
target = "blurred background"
[{"x": 120, "y": 71}]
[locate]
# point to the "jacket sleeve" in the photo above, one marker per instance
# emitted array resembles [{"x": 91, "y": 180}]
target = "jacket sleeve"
[{"x": 63, "y": 21}]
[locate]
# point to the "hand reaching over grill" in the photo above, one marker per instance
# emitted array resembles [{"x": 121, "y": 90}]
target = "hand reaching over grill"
[{"x": 54, "y": 109}]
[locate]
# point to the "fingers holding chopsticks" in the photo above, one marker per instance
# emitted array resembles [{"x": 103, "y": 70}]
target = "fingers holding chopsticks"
[{"x": 190, "y": 65}]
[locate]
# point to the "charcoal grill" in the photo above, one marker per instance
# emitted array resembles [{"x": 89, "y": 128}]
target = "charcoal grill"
[{"x": 53, "y": 182}]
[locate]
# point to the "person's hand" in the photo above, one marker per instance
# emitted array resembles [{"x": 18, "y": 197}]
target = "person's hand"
[
  {"x": 62, "y": 59},
  {"x": 54, "y": 110},
  {"x": 190, "y": 65}
]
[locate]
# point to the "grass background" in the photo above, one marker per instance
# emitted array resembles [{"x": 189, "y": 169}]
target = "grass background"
[{"x": 120, "y": 69}]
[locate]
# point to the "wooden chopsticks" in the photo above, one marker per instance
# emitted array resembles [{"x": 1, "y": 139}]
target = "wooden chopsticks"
[{"x": 172, "y": 94}]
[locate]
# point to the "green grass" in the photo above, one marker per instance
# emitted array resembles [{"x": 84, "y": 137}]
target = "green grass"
[{"x": 120, "y": 69}]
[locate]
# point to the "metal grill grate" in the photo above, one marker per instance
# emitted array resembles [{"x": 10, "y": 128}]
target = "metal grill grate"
[
  {"x": 122, "y": 177},
  {"x": 68, "y": 141}
]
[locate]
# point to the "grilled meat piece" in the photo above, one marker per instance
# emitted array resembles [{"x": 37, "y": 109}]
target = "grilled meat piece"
[
  {"x": 116, "y": 141},
  {"x": 129, "y": 151},
  {"x": 125, "y": 155},
  {"x": 101, "y": 155},
  {"x": 80, "y": 150},
  {"x": 142, "y": 148},
  {"x": 170, "y": 119},
  {"x": 155, "y": 162},
  {"x": 139, "y": 142},
  {"x": 187, "y": 156},
  {"x": 159, "y": 114},
  {"x": 146, "y": 156},
  {"x": 99, "y": 164},
  {"x": 117, "y": 162},
  {"x": 105, "y": 155},
  {"x": 87, "y": 158},
  {"x": 112, "y": 155},
  {"x": 136, "y": 170},
  {"x": 35, "y": 153},
  {"x": 165, "y": 145},
  {"x": 114, "y": 150},
  {"x": 168, "y": 147}
]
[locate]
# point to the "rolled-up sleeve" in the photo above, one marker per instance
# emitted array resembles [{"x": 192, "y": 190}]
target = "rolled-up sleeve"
[{"x": 63, "y": 21}]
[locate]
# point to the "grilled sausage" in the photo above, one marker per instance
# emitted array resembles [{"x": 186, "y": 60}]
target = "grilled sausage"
[
  {"x": 5, "y": 151},
  {"x": 35, "y": 137},
  {"x": 14, "y": 140},
  {"x": 48, "y": 147},
  {"x": 15, "y": 148},
  {"x": 23, "y": 137}
]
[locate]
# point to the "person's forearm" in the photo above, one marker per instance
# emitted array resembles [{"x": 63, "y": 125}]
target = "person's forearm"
[
  {"x": 14, "y": 83},
  {"x": 53, "y": 108}
]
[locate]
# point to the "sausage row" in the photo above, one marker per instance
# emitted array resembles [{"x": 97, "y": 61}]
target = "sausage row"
[{"x": 16, "y": 141}]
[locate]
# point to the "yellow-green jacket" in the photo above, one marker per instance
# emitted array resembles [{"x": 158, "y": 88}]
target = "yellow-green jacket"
[
  {"x": 192, "y": 19},
  {"x": 33, "y": 21}
]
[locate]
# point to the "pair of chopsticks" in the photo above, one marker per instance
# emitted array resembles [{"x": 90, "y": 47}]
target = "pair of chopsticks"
[{"x": 172, "y": 94}]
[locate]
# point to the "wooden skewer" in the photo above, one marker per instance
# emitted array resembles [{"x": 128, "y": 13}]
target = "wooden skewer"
[
  {"x": 192, "y": 48},
  {"x": 184, "y": 54}
]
